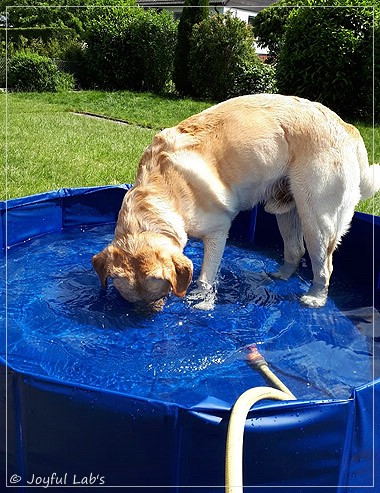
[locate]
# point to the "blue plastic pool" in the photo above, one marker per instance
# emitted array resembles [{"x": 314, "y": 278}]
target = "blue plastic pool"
[{"x": 97, "y": 386}]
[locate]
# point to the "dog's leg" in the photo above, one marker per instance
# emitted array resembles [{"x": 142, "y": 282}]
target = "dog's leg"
[
  {"x": 325, "y": 219},
  {"x": 204, "y": 295},
  {"x": 290, "y": 228},
  {"x": 320, "y": 247},
  {"x": 213, "y": 245}
]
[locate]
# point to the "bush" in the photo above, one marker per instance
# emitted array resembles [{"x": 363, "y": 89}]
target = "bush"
[
  {"x": 153, "y": 42},
  {"x": 254, "y": 79},
  {"x": 66, "y": 82},
  {"x": 269, "y": 24},
  {"x": 131, "y": 48},
  {"x": 106, "y": 56},
  {"x": 17, "y": 35},
  {"x": 221, "y": 51},
  {"x": 326, "y": 55},
  {"x": 32, "y": 72},
  {"x": 51, "y": 42},
  {"x": 73, "y": 59}
]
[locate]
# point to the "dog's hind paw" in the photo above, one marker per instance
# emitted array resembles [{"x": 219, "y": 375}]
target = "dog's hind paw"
[
  {"x": 313, "y": 301},
  {"x": 279, "y": 275},
  {"x": 316, "y": 297}
]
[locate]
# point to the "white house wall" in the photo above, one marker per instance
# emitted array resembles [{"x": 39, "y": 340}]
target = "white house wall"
[{"x": 241, "y": 14}]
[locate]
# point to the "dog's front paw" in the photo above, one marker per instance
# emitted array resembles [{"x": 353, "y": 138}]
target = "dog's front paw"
[
  {"x": 203, "y": 297},
  {"x": 285, "y": 271}
]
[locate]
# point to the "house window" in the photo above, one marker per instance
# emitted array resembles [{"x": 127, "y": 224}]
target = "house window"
[{"x": 250, "y": 19}]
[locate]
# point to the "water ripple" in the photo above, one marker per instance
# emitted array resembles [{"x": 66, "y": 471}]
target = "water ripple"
[{"x": 61, "y": 324}]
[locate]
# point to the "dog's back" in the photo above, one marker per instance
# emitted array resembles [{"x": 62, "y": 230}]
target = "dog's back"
[
  {"x": 247, "y": 146},
  {"x": 297, "y": 156}
]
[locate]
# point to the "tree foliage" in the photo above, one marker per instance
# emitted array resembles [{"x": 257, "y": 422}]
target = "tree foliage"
[
  {"x": 269, "y": 24},
  {"x": 73, "y": 14},
  {"x": 326, "y": 55},
  {"x": 129, "y": 48},
  {"x": 194, "y": 11},
  {"x": 323, "y": 50},
  {"x": 221, "y": 51}
]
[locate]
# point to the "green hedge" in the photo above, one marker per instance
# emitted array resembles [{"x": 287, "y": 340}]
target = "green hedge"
[
  {"x": 32, "y": 72},
  {"x": 15, "y": 34},
  {"x": 223, "y": 61},
  {"x": 131, "y": 49}
]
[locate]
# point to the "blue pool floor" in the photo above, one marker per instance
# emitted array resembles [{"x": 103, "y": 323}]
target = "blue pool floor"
[{"x": 62, "y": 325}]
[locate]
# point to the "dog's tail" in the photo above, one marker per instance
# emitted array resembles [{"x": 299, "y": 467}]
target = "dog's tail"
[
  {"x": 369, "y": 175},
  {"x": 369, "y": 181}
]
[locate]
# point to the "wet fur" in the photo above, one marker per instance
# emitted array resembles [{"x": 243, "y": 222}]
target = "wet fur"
[{"x": 308, "y": 166}]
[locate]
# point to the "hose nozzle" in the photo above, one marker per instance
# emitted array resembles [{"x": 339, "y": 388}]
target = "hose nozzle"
[
  {"x": 254, "y": 358},
  {"x": 256, "y": 361}
]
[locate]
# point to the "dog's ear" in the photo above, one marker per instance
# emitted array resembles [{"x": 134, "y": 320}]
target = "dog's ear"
[
  {"x": 106, "y": 262},
  {"x": 100, "y": 262},
  {"x": 182, "y": 274}
]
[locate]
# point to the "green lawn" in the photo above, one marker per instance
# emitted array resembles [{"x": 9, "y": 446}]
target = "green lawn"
[
  {"x": 143, "y": 109},
  {"x": 48, "y": 147}
]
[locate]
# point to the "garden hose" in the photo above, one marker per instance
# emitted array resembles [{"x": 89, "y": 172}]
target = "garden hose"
[
  {"x": 256, "y": 361},
  {"x": 235, "y": 434}
]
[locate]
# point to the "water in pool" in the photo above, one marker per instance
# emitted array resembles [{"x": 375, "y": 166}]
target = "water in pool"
[{"x": 62, "y": 325}]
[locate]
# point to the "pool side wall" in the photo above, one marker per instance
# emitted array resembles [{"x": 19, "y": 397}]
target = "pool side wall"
[{"x": 52, "y": 429}]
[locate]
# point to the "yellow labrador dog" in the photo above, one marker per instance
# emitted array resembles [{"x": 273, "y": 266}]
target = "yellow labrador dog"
[{"x": 307, "y": 165}]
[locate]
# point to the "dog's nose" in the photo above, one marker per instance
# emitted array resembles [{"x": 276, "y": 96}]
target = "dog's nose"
[{"x": 149, "y": 307}]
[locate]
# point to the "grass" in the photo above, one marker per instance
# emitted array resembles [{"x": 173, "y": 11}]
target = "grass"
[
  {"x": 371, "y": 137},
  {"x": 48, "y": 147},
  {"x": 143, "y": 109}
]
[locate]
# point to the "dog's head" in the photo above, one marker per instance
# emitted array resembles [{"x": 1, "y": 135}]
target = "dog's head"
[{"x": 144, "y": 268}]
